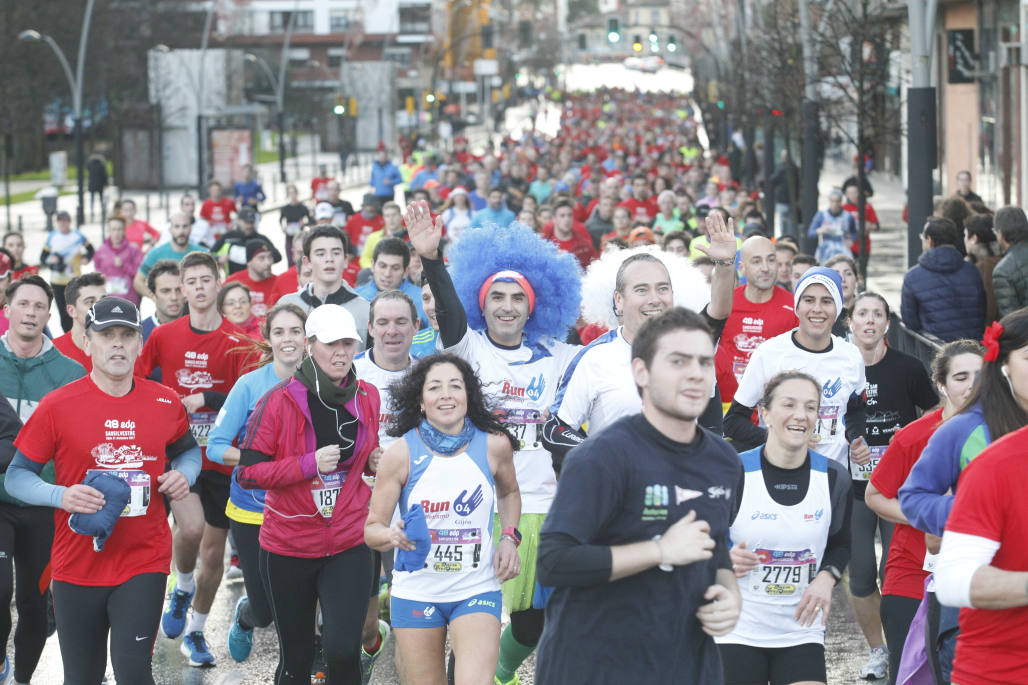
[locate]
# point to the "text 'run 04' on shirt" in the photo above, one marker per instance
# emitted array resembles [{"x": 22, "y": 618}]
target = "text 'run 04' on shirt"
[
  {"x": 839, "y": 369},
  {"x": 522, "y": 382},
  {"x": 124, "y": 436},
  {"x": 191, "y": 361}
]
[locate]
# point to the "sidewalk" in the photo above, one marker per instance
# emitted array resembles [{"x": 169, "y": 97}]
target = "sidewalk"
[{"x": 888, "y": 261}]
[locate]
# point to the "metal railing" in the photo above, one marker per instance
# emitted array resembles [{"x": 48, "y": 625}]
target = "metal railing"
[{"x": 924, "y": 346}]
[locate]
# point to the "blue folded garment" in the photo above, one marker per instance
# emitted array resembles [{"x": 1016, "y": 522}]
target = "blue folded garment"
[
  {"x": 416, "y": 528},
  {"x": 100, "y": 525}
]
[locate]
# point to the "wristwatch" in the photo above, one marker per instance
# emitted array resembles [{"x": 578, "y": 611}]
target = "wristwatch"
[
  {"x": 513, "y": 533},
  {"x": 836, "y": 573}
]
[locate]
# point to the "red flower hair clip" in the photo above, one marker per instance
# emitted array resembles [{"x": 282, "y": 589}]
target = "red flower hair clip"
[{"x": 991, "y": 341}]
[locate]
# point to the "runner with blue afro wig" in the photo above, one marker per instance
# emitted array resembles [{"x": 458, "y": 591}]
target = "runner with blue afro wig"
[{"x": 486, "y": 252}]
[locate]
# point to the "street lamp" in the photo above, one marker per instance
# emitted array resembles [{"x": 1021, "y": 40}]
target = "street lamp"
[
  {"x": 279, "y": 97},
  {"x": 75, "y": 83}
]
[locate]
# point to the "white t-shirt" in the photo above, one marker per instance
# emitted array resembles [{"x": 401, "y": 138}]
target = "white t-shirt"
[
  {"x": 383, "y": 379},
  {"x": 839, "y": 370},
  {"x": 522, "y": 383},
  {"x": 598, "y": 387}
]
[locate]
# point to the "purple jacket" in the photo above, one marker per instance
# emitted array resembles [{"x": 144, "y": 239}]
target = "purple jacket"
[{"x": 119, "y": 278}]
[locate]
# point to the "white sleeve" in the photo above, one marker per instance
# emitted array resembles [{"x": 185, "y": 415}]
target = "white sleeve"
[
  {"x": 751, "y": 386},
  {"x": 573, "y": 401},
  {"x": 961, "y": 555}
]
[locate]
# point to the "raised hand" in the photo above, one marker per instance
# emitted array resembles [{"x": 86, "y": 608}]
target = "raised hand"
[
  {"x": 721, "y": 236},
  {"x": 425, "y": 235}
]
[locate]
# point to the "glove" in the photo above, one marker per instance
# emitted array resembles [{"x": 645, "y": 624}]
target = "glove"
[
  {"x": 416, "y": 528},
  {"x": 100, "y": 524}
]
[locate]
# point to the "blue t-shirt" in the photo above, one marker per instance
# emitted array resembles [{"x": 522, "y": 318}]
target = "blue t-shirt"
[
  {"x": 369, "y": 290},
  {"x": 166, "y": 251}
]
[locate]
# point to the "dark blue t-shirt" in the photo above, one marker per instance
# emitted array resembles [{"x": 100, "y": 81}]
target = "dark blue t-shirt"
[{"x": 626, "y": 484}]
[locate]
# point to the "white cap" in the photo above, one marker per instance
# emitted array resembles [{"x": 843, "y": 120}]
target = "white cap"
[
  {"x": 324, "y": 210},
  {"x": 331, "y": 322}
]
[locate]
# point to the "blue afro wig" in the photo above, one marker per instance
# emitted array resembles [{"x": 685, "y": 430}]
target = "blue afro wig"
[{"x": 554, "y": 275}]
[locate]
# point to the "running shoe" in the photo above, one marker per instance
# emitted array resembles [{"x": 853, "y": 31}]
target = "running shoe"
[
  {"x": 240, "y": 640},
  {"x": 368, "y": 660},
  {"x": 195, "y": 648},
  {"x": 233, "y": 572},
  {"x": 877, "y": 666},
  {"x": 173, "y": 622},
  {"x": 514, "y": 681}
]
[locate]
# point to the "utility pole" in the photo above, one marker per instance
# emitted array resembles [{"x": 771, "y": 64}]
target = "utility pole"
[
  {"x": 922, "y": 147},
  {"x": 811, "y": 126}
]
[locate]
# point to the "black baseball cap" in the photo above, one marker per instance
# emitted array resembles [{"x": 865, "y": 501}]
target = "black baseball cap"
[
  {"x": 113, "y": 311},
  {"x": 63, "y": 215}
]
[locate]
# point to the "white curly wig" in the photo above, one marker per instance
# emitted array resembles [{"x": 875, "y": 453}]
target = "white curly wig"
[{"x": 690, "y": 287}]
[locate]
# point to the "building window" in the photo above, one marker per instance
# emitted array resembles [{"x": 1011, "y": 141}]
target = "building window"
[
  {"x": 339, "y": 20},
  {"x": 304, "y": 21}
]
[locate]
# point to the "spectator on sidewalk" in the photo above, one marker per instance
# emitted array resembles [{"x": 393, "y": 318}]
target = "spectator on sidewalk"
[
  {"x": 943, "y": 295},
  {"x": 96, "y": 167},
  {"x": 384, "y": 175},
  {"x": 216, "y": 209},
  {"x": 119, "y": 260},
  {"x": 1010, "y": 277},
  {"x": 964, "y": 188},
  {"x": 983, "y": 251}
]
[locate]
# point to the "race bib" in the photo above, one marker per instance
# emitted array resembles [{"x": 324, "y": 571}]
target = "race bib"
[
  {"x": 828, "y": 419},
  {"x": 200, "y": 425},
  {"x": 325, "y": 491},
  {"x": 455, "y": 549},
  {"x": 863, "y": 472},
  {"x": 139, "y": 486},
  {"x": 526, "y": 426},
  {"x": 116, "y": 285},
  {"x": 783, "y": 573}
]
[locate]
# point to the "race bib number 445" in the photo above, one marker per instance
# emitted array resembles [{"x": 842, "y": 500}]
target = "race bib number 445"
[{"x": 455, "y": 549}]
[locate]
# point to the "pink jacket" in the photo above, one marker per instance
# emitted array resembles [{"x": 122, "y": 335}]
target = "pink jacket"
[
  {"x": 119, "y": 278},
  {"x": 280, "y": 427}
]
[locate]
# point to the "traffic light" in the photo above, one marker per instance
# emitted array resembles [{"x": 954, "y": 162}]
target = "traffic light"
[
  {"x": 720, "y": 104},
  {"x": 653, "y": 36},
  {"x": 637, "y": 44},
  {"x": 353, "y": 107},
  {"x": 340, "y": 107},
  {"x": 777, "y": 112},
  {"x": 409, "y": 104},
  {"x": 487, "y": 37},
  {"x": 613, "y": 30},
  {"x": 429, "y": 97},
  {"x": 672, "y": 44}
]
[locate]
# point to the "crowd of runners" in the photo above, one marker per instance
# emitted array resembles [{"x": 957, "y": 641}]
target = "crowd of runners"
[{"x": 563, "y": 395}]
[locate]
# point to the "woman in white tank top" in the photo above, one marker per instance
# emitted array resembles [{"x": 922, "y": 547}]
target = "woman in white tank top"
[
  {"x": 790, "y": 543},
  {"x": 452, "y": 469}
]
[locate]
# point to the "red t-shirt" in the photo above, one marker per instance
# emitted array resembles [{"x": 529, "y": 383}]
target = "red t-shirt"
[
  {"x": 351, "y": 271},
  {"x": 747, "y": 326},
  {"x": 260, "y": 291},
  {"x": 66, "y": 346},
  {"x": 359, "y": 228},
  {"x": 218, "y": 212},
  {"x": 904, "y": 568},
  {"x": 82, "y": 428},
  {"x": 870, "y": 217},
  {"x": 992, "y": 503},
  {"x": 192, "y": 363},
  {"x": 137, "y": 232},
  {"x": 25, "y": 270},
  {"x": 287, "y": 283},
  {"x": 646, "y": 211},
  {"x": 581, "y": 247}
]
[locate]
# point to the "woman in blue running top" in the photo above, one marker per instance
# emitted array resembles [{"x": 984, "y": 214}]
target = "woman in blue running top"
[
  {"x": 791, "y": 541},
  {"x": 283, "y": 331},
  {"x": 452, "y": 468}
]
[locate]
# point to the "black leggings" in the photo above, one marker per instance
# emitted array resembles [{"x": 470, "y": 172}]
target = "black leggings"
[
  {"x": 527, "y": 626},
  {"x": 257, "y": 611},
  {"x": 130, "y": 612},
  {"x": 897, "y": 613},
  {"x": 26, "y": 535},
  {"x": 295, "y": 586}
]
